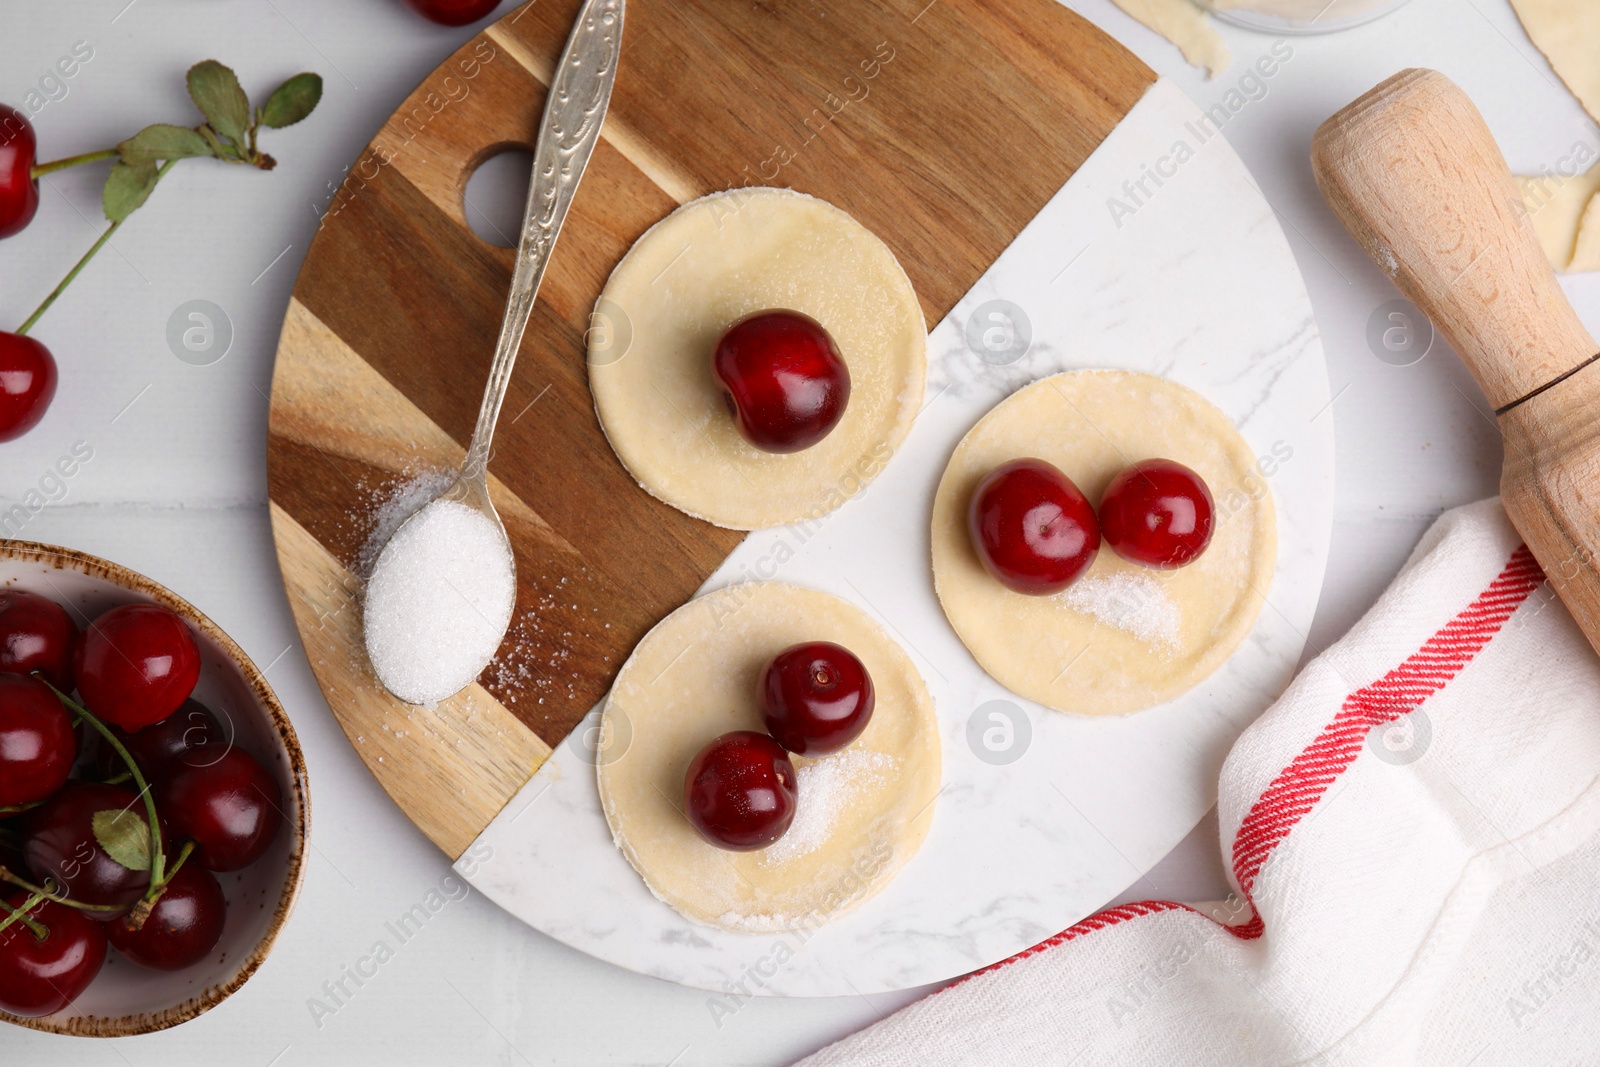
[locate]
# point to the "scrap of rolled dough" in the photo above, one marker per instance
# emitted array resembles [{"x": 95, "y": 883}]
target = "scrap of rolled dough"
[
  {"x": 1568, "y": 33},
  {"x": 1184, "y": 24},
  {"x": 1564, "y": 211},
  {"x": 1565, "y": 218}
]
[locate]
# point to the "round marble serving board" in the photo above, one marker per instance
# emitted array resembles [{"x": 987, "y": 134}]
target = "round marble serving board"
[{"x": 1189, "y": 277}]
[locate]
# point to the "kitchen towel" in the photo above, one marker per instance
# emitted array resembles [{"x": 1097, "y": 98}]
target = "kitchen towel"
[{"x": 1412, "y": 833}]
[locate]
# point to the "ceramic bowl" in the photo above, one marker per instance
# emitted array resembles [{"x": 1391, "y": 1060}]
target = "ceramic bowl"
[{"x": 127, "y": 999}]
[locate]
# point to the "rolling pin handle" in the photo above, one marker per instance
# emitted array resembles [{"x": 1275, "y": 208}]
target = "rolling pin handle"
[{"x": 1414, "y": 174}]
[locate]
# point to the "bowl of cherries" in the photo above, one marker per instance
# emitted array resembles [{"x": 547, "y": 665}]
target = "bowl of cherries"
[{"x": 153, "y": 803}]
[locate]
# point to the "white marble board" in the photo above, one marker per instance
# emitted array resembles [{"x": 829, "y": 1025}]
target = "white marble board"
[{"x": 1191, "y": 278}]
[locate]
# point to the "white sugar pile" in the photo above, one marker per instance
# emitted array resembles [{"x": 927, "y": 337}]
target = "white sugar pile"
[
  {"x": 825, "y": 789},
  {"x": 1130, "y": 601},
  {"x": 438, "y": 602}
]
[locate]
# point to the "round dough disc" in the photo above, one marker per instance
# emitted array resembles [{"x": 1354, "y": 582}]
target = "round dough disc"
[
  {"x": 715, "y": 260},
  {"x": 862, "y": 812},
  {"x": 1123, "y": 637}
]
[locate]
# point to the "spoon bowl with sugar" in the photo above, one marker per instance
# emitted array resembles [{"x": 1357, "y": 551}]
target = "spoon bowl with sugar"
[{"x": 442, "y": 590}]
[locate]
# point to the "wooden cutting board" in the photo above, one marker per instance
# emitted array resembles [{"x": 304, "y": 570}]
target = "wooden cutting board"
[{"x": 943, "y": 126}]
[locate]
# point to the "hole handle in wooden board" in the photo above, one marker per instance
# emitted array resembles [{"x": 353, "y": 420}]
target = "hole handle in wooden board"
[{"x": 1416, "y": 177}]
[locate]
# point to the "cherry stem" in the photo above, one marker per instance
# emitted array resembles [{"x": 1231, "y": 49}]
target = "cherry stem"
[
  {"x": 39, "y": 170},
  {"x": 20, "y": 915},
  {"x": 183, "y": 854},
  {"x": 78, "y": 267},
  {"x": 21, "y": 807},
  {"x": 60, "y": 898},
  {"x": 157, "y": 860}
]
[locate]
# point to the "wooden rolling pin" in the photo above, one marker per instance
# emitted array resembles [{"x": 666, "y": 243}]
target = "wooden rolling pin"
[{"x": 1413, "y": 172}]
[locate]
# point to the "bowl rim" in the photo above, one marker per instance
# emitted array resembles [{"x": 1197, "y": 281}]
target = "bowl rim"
[{"x": 300, "y": 829}]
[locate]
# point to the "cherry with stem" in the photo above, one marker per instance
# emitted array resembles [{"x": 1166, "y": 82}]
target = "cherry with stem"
[{"x": 158, "y": 873}]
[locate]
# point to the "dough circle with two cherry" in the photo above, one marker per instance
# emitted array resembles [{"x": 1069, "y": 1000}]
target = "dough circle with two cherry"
[
  {"x": 693, "y": 678},
  {"x": 1137, "y": 637},
  {"x": 683, "y": 282}
]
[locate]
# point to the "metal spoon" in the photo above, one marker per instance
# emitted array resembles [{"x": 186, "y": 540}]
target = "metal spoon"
[{"x": 580, "y": 92}]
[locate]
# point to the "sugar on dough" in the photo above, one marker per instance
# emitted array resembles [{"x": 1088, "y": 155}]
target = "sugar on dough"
[
  {"x": 708, "y": 263},
  {"x": 693, "y": 678},
  {"x": 1090, "y": 424},
  {"x": 1563, "y": 207}
]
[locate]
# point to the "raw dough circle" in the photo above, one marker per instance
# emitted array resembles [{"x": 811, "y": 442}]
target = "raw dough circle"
[
  {"x": 715, "y": 260},
  {"x": 1139, "y": 636},
  {"x": 693, "y": 678}
]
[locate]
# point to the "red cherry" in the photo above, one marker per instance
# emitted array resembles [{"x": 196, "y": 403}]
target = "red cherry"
[
  {"x": 19, "y": 192},
  {"x": 37, "y": 745},
  {"x": 1158, "y": 513},
  {"x": 740, "y": 791},
  {"x": 228, "y": 807},
  {"x": 182, "y": 928},
  {"x": 784, "y": 379},
  {"x": 136, "y": 664},
  {"x": 27, "y": 384},
  {"x": 452, "y": 12},
  {"x": 41, "y": 977},
  {"x": 816, "y": 698},
  {"x": 62, "y": 846},
  {"x": 1032, "y": 528},
  {"x": 36, "y": 634},
  {"x": 189, "y": 737}
]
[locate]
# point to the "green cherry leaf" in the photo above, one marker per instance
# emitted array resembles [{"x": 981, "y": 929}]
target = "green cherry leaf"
[
  {"x": 127, "y": 186},
  {"x": 292, "y": 101},
  {"x": 124, "y": 836},
  {"x": 163, "y": 142},
  {"x": 217, "y": 93}
]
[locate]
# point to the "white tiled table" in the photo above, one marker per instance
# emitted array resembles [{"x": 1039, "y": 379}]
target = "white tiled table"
[{"x": 177, "y": 486}]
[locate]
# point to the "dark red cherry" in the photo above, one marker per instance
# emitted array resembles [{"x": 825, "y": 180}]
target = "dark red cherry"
[
  {"x": 36, "y": 634},
  {"x": 1158, "y": 513},
  {"x": 1032, "y": 528},
  {"x": 136, "y": 664},
  {"x": 228, "y": 807},
  {"x": 62, "y": 845},
  {"x": 816, "y": 698},
  {"x": 37, "y": 744},
  {"x": 44, "y": 976},
  {"x": 740, "y": 791},
  {"x": 182, "y": 928},
  {"x": 19, "y": 192},
  {"x": 27, "y": 384},
  {"x": 190, "y": 736},
  {"x": 452, "y": 12},
  {"x": 783, "y": 378}
]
